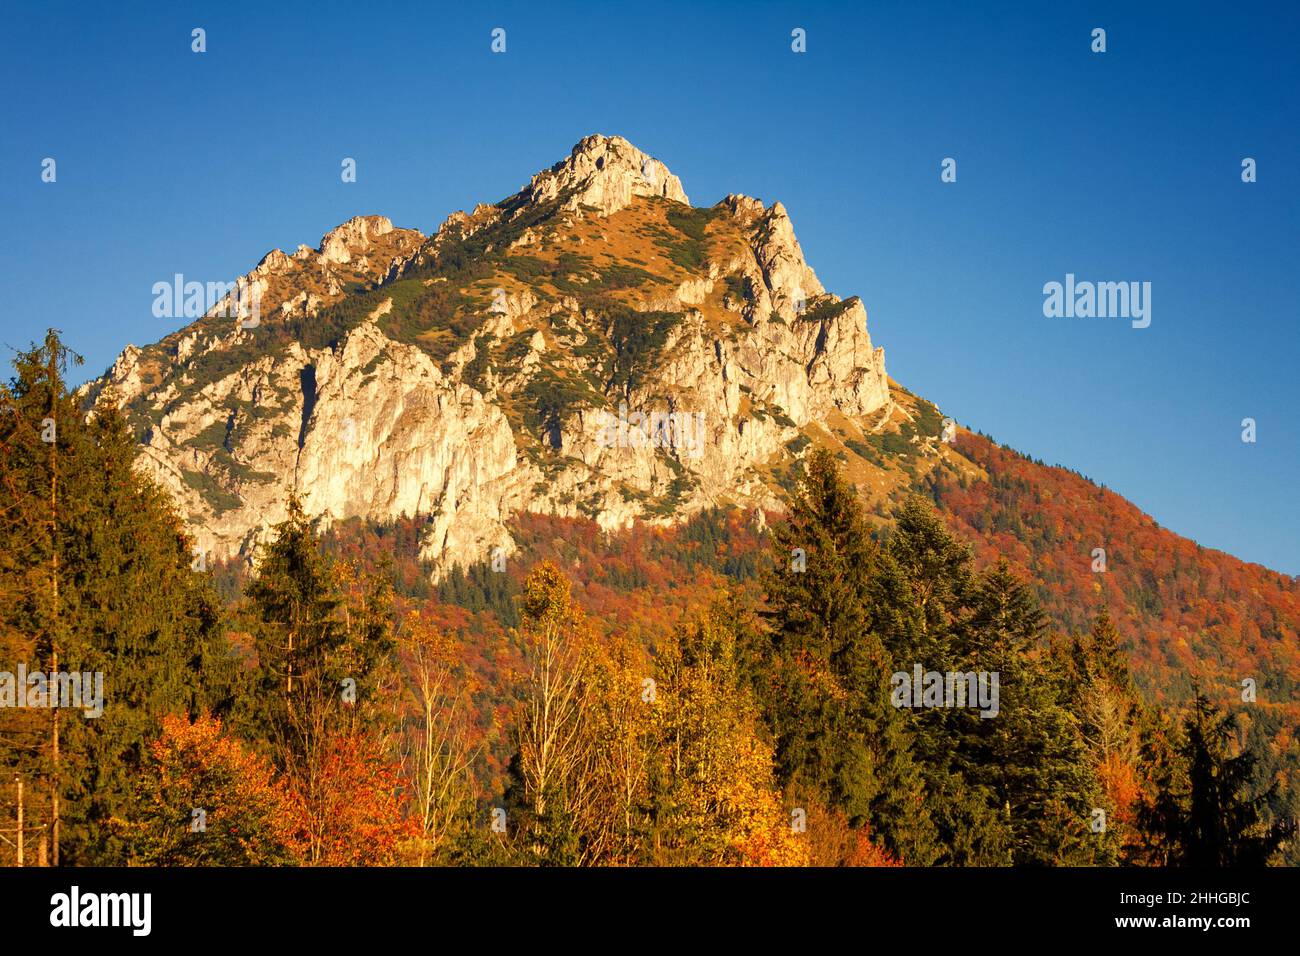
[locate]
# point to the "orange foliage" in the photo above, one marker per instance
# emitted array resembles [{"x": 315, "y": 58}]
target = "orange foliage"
[
  {"x": 196, "y": 765},
  {"x": 358, "y": 811}
]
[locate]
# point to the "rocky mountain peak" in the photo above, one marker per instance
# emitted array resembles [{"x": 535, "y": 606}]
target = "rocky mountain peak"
[
  {"x": 355, "y": 235},
  {"x": 592, "y": 345},
  {"x": 353, "y": 243},
  {"x": 604, "y": 173}
]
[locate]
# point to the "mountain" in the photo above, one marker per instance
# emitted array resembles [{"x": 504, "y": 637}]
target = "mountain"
[
  {"x": 495, "y": 370},
  {"x": 488, "y": 370}
]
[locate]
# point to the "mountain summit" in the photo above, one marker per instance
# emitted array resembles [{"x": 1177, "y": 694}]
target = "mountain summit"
[
  {"x": 605, "y": 173},
  {"x": 592, "y": 345}
]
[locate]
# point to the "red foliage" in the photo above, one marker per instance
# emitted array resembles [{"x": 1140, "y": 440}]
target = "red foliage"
[{"x": 354, "y": 814}]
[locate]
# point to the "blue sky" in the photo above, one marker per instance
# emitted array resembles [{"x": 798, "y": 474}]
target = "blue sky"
[{"x": 1122, "y": 166}]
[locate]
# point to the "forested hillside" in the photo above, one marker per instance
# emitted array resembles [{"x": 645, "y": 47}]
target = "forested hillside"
[{"x": 722, "y": 692}]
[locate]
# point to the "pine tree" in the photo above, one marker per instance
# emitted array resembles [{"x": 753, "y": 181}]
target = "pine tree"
[
  {"x": 922, "y": 589},
  {"x": 1030, "y": 754},
  {"x": 1162, "y": 809},
  {"x": 1100, "y": 655},
  {"x": 324, "y": 647},
  {"x": 1011, "y": 787},
  {"x": 921, "y": 602},
  {"x": 44, "y": 445},
  {"x": 1225, "y": 811},
  {"x": 98, "y": 570},
  {"x": 826, "y": 677}
]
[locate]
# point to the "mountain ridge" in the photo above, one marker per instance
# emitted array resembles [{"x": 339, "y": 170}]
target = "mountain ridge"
[
  {"x": 365, "y": 260},
  {"x": 383, "y": 350}
]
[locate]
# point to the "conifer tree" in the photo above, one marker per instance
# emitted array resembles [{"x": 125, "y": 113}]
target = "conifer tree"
[
  {"x": 1030, "y": 754},
  {"x": 1160, "y": 822},
  {"x": 324, "y": 647},
  {"x": 838, "y": 738},
  {"x": 922, "y": 590},
  {"x": 1225, "y": 810},
  {"x": 1007, "y": 787},
  {"x": 921, "y": 603},
  {"x": 97, "y": 577}
]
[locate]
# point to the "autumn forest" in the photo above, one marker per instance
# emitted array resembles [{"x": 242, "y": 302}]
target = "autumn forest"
[{"x": 724, "y": 692}]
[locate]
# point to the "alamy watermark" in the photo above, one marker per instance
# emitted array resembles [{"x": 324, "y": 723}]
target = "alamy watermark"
[
  {"x": 129, "y": 910},
  {"x": 656, "y": 429},
  {"x": 78, "y": 690},
  {"x": 179, "y": 299},
  {"x": 923, "y": 688},
  {"x": 1102, "y": 300}
]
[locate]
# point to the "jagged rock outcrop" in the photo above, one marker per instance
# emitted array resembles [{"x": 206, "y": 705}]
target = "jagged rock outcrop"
[
  {"x": 592, "y": 345},
  {"x": 605, "y": 173}
]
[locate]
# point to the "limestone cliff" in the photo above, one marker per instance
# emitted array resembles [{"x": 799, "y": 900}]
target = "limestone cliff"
[{"x": 590, "y": 345}]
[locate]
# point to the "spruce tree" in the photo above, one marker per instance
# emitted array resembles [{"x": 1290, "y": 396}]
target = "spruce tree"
[
  {"x": 96, "y": 577},
  {"x": 1225, "y": 811},
  {"x": 1031, "y": 753},
  {"x": 838, "y": 738},
  {"x": 324, "y": 644},
  {"x": 920, "y": 604},
  {"x": 923, "y": 587}
]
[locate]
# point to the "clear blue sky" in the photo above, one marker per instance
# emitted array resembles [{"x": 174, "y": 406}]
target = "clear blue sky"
[{"x": 1118, "y": 166}]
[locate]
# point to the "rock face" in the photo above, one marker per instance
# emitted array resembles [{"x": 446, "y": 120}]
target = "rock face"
[
  {"x": 592, "y": 345},
  {"x": 605, "y": 173}
]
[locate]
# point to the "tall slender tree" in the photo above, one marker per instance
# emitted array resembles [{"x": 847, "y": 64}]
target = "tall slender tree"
[
  {"x": 1225, "y": 807},
  {"x": 551, "y": 775},
  {"x": 98, "y": 576},
  {"x": 826, "y": 676},
  {"x": 324, "y": 643}
]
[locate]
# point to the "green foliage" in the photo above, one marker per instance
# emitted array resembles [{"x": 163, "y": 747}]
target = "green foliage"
[
  {"x": 638, "y": 338},
  {"x": 476, "y": 368},
  {"x": 479, "y": 588},
  {"x": 690, "y": 220},
  {"x": 212, "y": 491},
  {"x": 576, "y": 275},
  {"x": 827, "y": 673},
  {"x": 212, "y": 437},
  {"x": 935, "y": 784},
  {"x": 683, "y": 481},
  {"x": 312, "y": 641},
  {"x": 1223, "y": 824},
  {"x": 96, "y": 574},
  {"x": 550, "y": 397},
  {"x": 439, "y": 321},
  {"x": 689, "y": 253},
  {"x": 825, "y": 308},
  {"x": 929, "y": 422},
  {"x": 738, "y": 287}
]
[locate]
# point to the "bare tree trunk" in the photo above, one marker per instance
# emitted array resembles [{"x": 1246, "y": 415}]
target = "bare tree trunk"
[
  {"x": 56, "y": 782},
  {"x": 442, "y": 758},
  {"x": 19, "y": 780}
]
